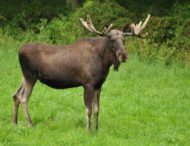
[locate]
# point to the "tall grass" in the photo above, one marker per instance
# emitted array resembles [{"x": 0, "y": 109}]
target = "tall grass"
[{"x": 142, "y": 104}]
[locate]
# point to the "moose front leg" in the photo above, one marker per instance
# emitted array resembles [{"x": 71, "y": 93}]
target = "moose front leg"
[
  {"x": 96, "y": 107},
  {"x": 88, "y": 96}
]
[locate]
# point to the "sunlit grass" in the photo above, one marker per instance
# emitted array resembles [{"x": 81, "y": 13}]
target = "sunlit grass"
[{"x": 141, "y": 104}]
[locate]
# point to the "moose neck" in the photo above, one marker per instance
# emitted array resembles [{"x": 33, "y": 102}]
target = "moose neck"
[{"x": 108, "y": 55}]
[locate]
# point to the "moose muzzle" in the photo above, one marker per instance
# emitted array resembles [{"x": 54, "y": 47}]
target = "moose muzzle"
[{"x": 122, "y": 55}]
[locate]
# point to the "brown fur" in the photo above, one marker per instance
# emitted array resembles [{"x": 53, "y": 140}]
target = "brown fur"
[{"x": 85, "y": 63}]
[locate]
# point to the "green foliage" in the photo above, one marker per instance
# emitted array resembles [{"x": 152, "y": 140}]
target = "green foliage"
[
  {"x": 162, "y": 29},
  {"x": 23, "y": 13},
  {"x": 55, "y": 22},
  {"x": 102, "y": 13},
  {"x": 160, "y": 8},
  {"x": 181, "y": 10},
  {"x": 168, "y": 40}
]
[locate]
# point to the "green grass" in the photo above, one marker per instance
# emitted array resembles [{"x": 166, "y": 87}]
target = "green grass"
[{"x": 141, "y": 104}]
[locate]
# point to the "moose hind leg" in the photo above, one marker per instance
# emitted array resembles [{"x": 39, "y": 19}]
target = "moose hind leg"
[
  {"x": 22, "y": 96},
  {"x": 16, "y": 103},
  {"x": 28, "y": 86}
]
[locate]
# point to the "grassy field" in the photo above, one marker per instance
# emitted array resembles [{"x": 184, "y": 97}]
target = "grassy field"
[{"x": 142, "y": 104}]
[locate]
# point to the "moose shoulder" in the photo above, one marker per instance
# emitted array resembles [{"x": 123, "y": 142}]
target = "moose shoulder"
[{"x": 85, "y": 63}]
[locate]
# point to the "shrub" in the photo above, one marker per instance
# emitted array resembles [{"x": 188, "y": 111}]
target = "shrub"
[{"x": 168, "y": 39}]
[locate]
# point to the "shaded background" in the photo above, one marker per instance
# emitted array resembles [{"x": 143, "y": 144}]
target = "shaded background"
[{"x": 57, "y": 22}]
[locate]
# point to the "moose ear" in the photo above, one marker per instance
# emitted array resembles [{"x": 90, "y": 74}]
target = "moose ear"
[
  {"x": 127, "y": 31},
  {"x": 127, "y": 28}
]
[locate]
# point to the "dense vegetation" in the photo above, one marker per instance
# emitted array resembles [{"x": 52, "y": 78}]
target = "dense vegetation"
[{"x": 57, "y": 22}]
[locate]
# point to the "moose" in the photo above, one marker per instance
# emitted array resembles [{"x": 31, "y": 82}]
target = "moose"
[{"x": 85, "y": 63}]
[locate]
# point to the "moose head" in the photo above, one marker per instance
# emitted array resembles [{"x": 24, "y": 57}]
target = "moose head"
[{"x": 116, "y": 38}]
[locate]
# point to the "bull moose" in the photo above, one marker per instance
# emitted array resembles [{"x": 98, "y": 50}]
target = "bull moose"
[{"x": 85, "y": 63}]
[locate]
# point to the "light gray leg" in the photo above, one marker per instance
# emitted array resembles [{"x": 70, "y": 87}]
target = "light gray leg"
[
  {"x": 28, "y": 86},
  {"x": 16, "y": 103},
  {"x": 88, "y": 96},
  {"x": 96, "y": 107},
  {"x": 22, "y": 96},
  {"x": 15, "y": 109}
]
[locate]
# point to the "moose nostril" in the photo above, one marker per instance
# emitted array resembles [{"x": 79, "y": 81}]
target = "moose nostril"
[{"x": 124, "y": 58}]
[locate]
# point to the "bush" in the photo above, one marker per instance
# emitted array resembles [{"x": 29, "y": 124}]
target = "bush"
[
  {"x": 168, "y": 39},
  {"x": 101, "y": 13}
]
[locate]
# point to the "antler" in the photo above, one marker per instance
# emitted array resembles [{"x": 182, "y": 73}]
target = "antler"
[
  {"x": 89, "y": 25},
  {"x": 137, "y": 29}
]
